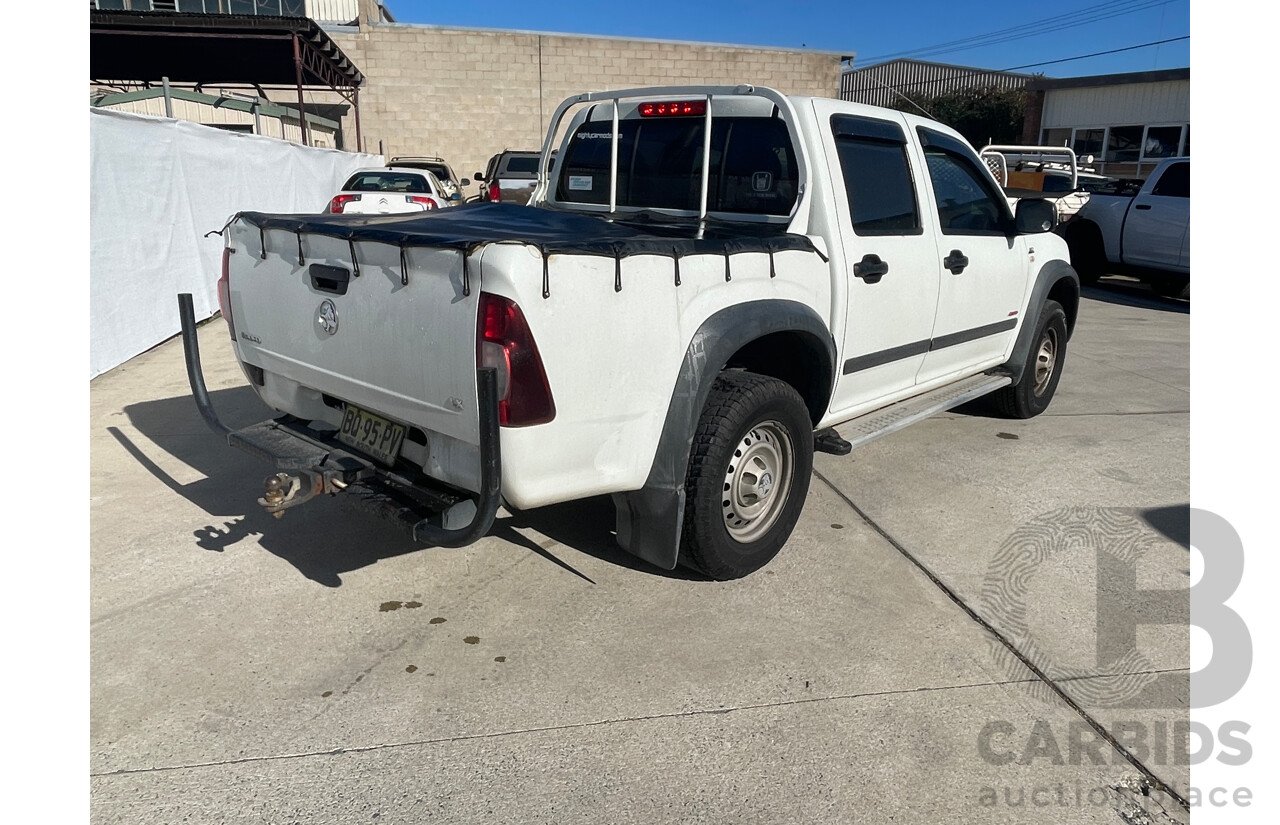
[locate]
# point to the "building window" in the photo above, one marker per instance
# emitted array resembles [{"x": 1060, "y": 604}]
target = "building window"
[
  {"x": 1124, "y": 144},
  {"x": 1056, "y": 137},
  {"x": 1089, "y": 141},
  {"x": 1161, "y": 141}
]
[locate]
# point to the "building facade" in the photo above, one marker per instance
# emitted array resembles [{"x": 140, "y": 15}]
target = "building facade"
[{"x": 1126, "y": 122}]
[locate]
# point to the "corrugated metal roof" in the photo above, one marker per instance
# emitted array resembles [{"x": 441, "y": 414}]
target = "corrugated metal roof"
[{"x": 886, "y": 83}]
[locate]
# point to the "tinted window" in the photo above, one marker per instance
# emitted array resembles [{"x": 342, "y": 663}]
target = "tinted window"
[
  {"x": 752, "y": 169},
  {"x": 967, "y": 201},
  {"x": 522, "y": 165},
  {"x": 386, "y": 182},
  {"x": 877, "y": 181},
  {"x": 439, "y": 170},
  {"x": 1057, "y": 184},
  {"x": 1175, "y": 182}
]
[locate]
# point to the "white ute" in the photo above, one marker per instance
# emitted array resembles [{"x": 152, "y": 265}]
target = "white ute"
[
  {"x": 1147, "y": 235},
  {"x": 710, "y": 280}
]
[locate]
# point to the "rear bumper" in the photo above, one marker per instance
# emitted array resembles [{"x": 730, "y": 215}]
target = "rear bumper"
[{"x": 310, "y": 462}]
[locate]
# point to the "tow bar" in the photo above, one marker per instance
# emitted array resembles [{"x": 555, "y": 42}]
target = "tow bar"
[{"x": 310, "y": 462}]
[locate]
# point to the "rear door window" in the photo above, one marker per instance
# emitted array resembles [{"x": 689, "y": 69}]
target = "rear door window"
[
  {"x": 752, "y": 170},
  {"x": 877, "y": 176}
]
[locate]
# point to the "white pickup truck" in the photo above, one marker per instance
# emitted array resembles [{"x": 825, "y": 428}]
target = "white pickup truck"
[
  {"x": 711, "y": 279},
  {"x": 1147, "y": 235}
]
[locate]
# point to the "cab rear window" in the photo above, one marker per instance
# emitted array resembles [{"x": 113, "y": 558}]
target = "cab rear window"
[
  {"x": 752, "y": 169},
  {"x": 522, "y": 165}
]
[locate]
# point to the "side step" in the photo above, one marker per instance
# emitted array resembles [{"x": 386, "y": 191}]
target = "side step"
[{"x": 890, "y": 419}]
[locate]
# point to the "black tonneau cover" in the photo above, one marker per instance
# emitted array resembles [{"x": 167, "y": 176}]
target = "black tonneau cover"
[{"x": 469, "y": 226}]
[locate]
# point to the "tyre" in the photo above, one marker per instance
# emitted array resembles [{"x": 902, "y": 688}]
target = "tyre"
[
  {"x": 748, "y": 476},
  {"x": 1033, "y": 392},
  {"x": 1088, "y": 256}
]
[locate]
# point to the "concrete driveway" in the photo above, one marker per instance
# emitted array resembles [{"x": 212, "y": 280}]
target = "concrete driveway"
[{"x": 951, "y": 635}]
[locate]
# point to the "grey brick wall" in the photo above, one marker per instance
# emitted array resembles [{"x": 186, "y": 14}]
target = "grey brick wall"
[{"x": 465, "y": 94}]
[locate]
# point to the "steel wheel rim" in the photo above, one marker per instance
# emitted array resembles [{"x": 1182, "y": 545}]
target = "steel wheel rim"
[
  {"x": 757, "y": 482},
  {"x": 1046, "y": 360}
]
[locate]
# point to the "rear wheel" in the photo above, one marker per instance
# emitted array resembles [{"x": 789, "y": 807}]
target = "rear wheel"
[
  {"x": 748, "y": 475},
  {"x": 1033, "y": 392}
]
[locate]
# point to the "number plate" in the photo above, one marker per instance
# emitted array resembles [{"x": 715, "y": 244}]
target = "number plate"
[{"x": 371, "y": 434}]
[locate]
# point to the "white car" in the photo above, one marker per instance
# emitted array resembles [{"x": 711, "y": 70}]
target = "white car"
[
  {"x": 678, "y": 328},
  {"x": 388, "y": 190}
]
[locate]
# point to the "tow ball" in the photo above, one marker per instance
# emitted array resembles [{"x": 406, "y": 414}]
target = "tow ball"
[{"x": 282, "y": 490}]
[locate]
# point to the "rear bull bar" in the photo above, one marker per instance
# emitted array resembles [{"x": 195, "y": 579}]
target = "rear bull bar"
[{"x": 311, "y": 463}]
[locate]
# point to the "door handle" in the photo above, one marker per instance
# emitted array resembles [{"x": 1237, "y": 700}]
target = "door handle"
[
  {"x": 1143, "y": 206},
  {"x": 956, "y": 262},
  {"x": 334, "y": 279},
  {"x": 871, "y": 269}
]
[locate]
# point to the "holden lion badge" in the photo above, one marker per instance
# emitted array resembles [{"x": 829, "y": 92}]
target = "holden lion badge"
[{"x": 327, "y": 317}]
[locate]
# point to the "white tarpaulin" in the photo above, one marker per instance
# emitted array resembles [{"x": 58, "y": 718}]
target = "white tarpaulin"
[{"x": 156, "y": 187}]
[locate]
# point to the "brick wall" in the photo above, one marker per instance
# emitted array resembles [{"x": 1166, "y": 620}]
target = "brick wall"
[{"x": 465, "y": 94}]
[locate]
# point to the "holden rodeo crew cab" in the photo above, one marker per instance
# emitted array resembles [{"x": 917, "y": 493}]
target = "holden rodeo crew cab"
[{"x": 710, "y": 281}]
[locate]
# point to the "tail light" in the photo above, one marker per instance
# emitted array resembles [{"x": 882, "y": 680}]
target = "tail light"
[
  {"x": 425, "y": 202},
  {"x": 224, "y": 291},
  {"x": 495, "y": 192},
  {"x": 504, "y": 342},
  {"x": 339, "y": 202}
]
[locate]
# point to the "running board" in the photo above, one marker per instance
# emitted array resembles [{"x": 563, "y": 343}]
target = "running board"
[{"x": 890, "y": 419}]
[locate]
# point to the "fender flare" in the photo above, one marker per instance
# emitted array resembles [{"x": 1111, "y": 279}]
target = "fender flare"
[
  {"x": 1052, "y": 274},
  {"x": 649, "y": 520}
]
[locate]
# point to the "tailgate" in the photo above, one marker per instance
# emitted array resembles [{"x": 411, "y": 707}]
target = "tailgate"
[
  {"x": 516, "y": 191},
  {"x": 381, "y": 203},
  {"x": 396, "y": 340}
]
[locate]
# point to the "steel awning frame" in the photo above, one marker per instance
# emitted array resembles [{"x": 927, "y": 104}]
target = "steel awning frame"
[
  {"x": 256, "y": 50},
  {"x": 274, "y": 110}
]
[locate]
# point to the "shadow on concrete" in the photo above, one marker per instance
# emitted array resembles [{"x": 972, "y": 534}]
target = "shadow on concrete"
[
  {"x": 587, "y": 526},
  {"x": 322, "y": 539},
  {"x": 1131, "y": 293},
  {"x": 1174, "y": 523}
]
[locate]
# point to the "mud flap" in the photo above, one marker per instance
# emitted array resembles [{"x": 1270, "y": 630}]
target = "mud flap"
[{"x": 649, "y": 522}]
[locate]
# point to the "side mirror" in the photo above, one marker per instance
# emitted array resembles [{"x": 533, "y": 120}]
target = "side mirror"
[
  {"x": 465, "y": 182},
  {"x": 479, "y": 177},
  {"x": 1034, "y": 216},
  {"x": 456, "y": 196}
]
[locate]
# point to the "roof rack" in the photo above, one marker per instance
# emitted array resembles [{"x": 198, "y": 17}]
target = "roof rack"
[{"x": 1000, "y": 159}]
